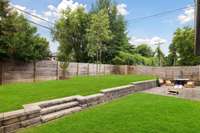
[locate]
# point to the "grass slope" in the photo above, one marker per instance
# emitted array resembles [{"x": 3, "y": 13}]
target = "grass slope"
[
  {"x": 13, "y": 96},
  {"x": 139, "y": 113}
]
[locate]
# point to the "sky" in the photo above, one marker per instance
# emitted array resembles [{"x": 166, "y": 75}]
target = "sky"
[{"x": 152, "y": 30}]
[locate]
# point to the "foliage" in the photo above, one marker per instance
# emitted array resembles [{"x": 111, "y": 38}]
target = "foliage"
[
  {"x": 97, "y": 33},
  {"x": 133, "y": 59},
  {"x": 76, "y": 31},
  {"x": 120, "y": 40},
  {"x": 70, "y": 31},
  {"x": 160, "y": 56},
  {"x": 182, "y": 47},
  {"x": 172, "y": 57},
  {"x": 18, "y": 38},
  {"x": 144, "y": 50},
  {"x": 13, "y": 96}
]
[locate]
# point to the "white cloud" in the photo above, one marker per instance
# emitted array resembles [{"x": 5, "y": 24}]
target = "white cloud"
[
  {"x": 20, "y": 7},
  {"x": 54, "y": 12},
  {"x": 122, "y": 9},
  {"x": 64, "y": 4},
  {"x": 151, "y": 41},
  {"x": 187, "y": 16},
  {"x": 33, "y": 12}
]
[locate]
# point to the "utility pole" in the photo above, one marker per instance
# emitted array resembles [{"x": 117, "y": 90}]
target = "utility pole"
[
  {"x": 158, "y": 43},
  {"x": 197, "y": 29}
]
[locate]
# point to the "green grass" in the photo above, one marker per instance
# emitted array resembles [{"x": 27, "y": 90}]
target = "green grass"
[
  {"x": 13, "y": 96},
  {"x": 137, "y": 113}
]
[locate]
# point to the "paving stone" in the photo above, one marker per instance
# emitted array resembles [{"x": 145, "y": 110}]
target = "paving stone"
[
  {"x": 13, "y": 114},
  {"x": 1, "y": 116},
  {"x": 59, "y": 114},
  {"x": 33, "y": 115},
  {"x": 30, "y": 122},
  {"x": 10, "y": 121},
  {"x": 59, "y": 107},
  {"x": 11, "y": 128},
  {"x": 1, "y": 130}
]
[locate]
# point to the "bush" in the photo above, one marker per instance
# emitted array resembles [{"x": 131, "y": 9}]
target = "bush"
[{"x": 133, "y": 59}]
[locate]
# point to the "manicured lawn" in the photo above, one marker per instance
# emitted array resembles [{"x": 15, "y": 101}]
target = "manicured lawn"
[
  {"x": 13, "y": 96},
  {"x": 137, "y": 113}
]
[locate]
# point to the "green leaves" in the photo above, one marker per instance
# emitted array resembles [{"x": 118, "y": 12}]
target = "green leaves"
[
  {"x": 97, "y": 35},
  {"x": 18, "y": 38},
  {"x": 182, "y": 47},
  {"x": 70, "y": 31},
  {"x": 98, "y": 32},
  {"x": 144, "y": 50}
]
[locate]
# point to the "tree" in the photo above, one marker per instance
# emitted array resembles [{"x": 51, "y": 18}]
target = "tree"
[
  {"x": 171, "y": 59},
  {"x": 70, "y": 32},
  {"x": 182, "y": 47},
  {"x": 97, "y": 33},
  {"x": 18, "y": 38},
  {"x": 117, "y": 26},
  {"x": 144, "y": 50},
  {"x": 101, "y": 4},
  {"x": 160, "y": 56},
  {"x": 133, "y": 59}
]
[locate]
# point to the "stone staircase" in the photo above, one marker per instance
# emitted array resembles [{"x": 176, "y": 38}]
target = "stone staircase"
[{"x": 57, "y": 108}]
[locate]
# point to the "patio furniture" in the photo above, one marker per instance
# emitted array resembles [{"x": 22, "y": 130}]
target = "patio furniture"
[
  {"x": 181, "y": 81},
  {"x": 190, "y": 84},
  {"x": 161, "y": 81},
  {"x": 169, "y": 83},
  {"x": 173, "y": 90},
  {"x": 178, "y": 86}
]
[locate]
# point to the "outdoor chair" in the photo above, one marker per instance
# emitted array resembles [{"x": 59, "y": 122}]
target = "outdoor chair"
[
  {"x": 169, "y": 83},
  {"x": 161, "y": 81},
  {"x": 190, "y": 84}
]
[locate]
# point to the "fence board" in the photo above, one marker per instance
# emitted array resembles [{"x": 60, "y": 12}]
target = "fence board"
[{"x": 50, "y": 70}]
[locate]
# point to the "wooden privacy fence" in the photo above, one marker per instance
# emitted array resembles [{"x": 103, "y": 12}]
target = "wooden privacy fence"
[
  {"x": 50, "y": 70},
  {"x": 47, "y": 70}
]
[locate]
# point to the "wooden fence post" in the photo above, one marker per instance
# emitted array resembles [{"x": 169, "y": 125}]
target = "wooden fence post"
[
  {"x": 97, "y": 69},
  {"x": 1, "y": 73},
  {"x": 88, "y": 69},
  {"x": 104, "y": 69},
  {"x": 199, "y": 73},
  {"x": 34, "y": 71},
  {"x": 57, "y": 70},
  {"x": 77, "y": 69}
]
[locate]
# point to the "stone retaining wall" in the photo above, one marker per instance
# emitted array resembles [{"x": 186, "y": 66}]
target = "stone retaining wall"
[{"x": 31, "y": 114}]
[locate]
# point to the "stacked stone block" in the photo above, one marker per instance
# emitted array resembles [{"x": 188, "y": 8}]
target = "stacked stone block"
[{"x": 45, "y": 111}]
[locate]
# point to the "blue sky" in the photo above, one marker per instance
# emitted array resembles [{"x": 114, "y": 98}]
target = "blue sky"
[{"x": 140, "y": 31}]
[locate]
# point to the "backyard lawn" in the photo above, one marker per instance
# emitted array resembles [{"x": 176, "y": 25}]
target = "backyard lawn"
[
  {"x": 137, "y": 113},
  {"x": 13, "y": 96}
]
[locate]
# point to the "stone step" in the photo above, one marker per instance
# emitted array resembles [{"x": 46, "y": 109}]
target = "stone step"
[
  {"x": 58, "y": 107},
  {"x": 59, "y": 114},
  {"x": 50, "y": 103}
]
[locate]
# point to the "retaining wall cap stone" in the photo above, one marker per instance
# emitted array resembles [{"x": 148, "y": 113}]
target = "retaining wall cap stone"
[
  {"x": 13, "y": 114},
  {"x": 49, "y": 101},
  {"x": 94, "y": 96},
  {"x": 117, "y": 88},
  {"x": 140, "y": 82},
  {"x": 31, "y": 109}
]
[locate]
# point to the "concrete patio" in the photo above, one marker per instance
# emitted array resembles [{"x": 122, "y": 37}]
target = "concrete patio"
[{"x": 186, "y": 93}]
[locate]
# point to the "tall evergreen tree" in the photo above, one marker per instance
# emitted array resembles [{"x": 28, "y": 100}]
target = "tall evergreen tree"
[{"x": 18, "y": 38}]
